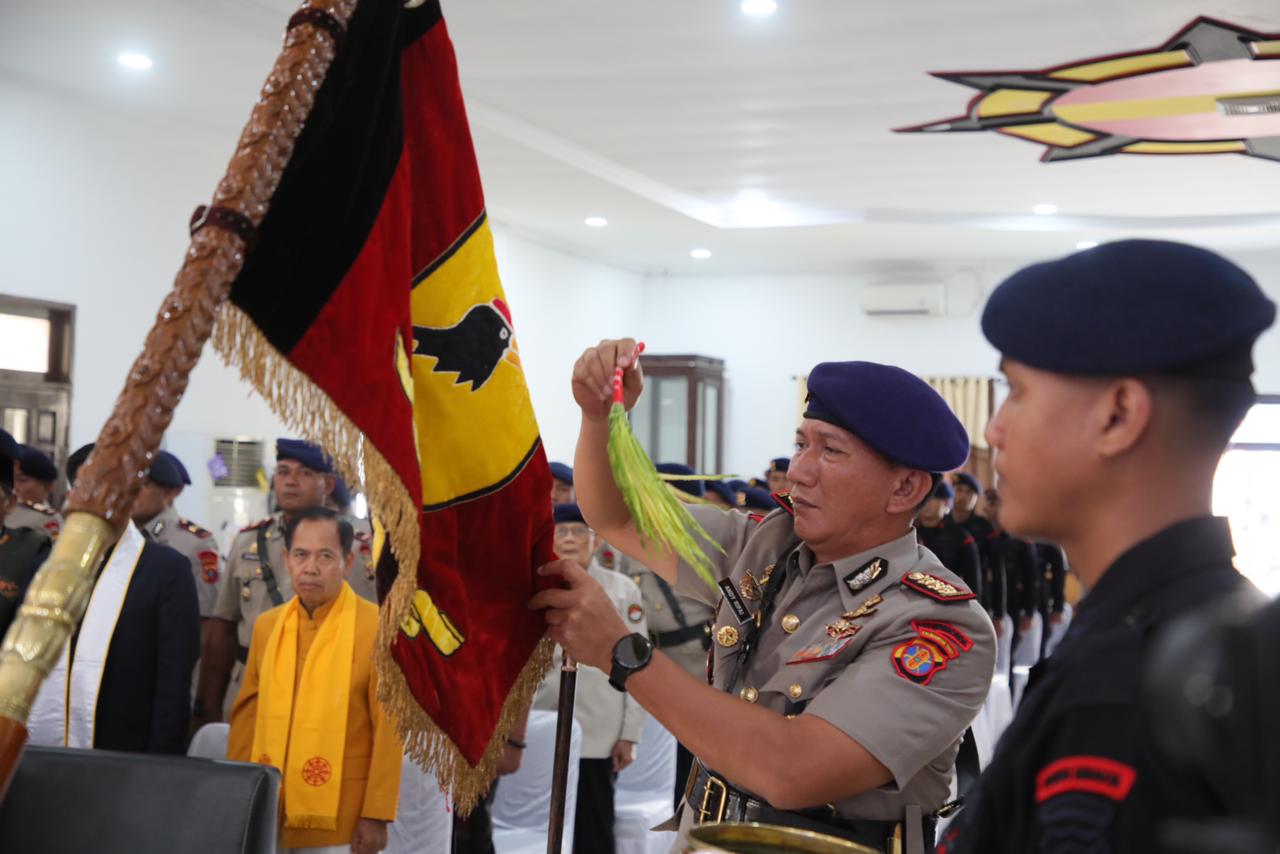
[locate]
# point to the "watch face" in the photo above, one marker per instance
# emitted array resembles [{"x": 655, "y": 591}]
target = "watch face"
[{"x": 633, "y": 651}]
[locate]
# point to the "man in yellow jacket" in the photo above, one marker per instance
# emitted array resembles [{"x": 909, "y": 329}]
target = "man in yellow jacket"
[{"x": 308, "y": 703}]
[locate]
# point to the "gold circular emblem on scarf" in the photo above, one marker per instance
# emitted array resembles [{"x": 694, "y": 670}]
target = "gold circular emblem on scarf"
[{"x": 727, "y": 636}]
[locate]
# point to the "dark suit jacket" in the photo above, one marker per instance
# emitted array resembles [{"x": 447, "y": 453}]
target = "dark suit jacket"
[{"x": 144, "y": 704}]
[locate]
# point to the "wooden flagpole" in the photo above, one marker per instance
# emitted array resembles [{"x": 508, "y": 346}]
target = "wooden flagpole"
[{"x": 99, "y": 504}]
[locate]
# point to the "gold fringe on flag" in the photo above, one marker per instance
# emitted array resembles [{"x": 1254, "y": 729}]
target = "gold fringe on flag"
[
  {"x": 426, "y": 744},
  {"x": 306, "y": 408}
]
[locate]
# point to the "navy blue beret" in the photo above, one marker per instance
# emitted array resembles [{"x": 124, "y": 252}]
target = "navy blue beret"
[
  {"x": 307, "y": 453},
  {"x": 182, "y": 470},
  {"x": 36, "y": 463},
  {"x": 567, "y": 513},
  {"x": 758, "y": 499},
  {"x": 165, "y": 471},
  {"x": 76, "y": 460},
  {"x": 891, "y": 410},
  {"x": 943, "y": 490},
  {"x": 341, "y": 495},
  {"x": 1131, "y": 307},
  {"x": 562, "y": 473},
  {"x": 692, "y": 487},
  {"x": 721, "y": 488},
  {"x": 968, "y": 480},
  {"x": 779, "y": 464}
]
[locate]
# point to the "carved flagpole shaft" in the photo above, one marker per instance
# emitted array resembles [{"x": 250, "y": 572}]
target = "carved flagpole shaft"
[
  {"x": 560, "y": 767},
  {"x": 100, "y": 502}
]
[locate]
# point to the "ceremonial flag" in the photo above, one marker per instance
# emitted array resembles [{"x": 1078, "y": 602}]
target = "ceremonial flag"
[{"x": 370, "y": 316}]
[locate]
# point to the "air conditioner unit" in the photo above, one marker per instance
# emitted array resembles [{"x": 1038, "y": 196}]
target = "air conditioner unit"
[
  {"x": 904, "y": 300},
  {"x": 237, "y": 498}
]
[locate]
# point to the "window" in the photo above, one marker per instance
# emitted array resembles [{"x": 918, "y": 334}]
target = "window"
[
  {"x": 1245, "y": 490},
  {"x": 24, "y": 343},
  {"x": 679, "y": 418}
]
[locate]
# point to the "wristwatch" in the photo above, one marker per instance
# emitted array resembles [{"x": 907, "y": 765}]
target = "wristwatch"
[{"x": 631, "y": 654}]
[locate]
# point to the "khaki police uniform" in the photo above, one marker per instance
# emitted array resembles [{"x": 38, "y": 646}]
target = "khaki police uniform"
[
  {"x": 887, "y": 646},
  {"x": 362, "y": 578},
  {"x": 678, "y": 625},
  {"x": 197, "y": 546},
  {"x": 36, "y": 516},
  {"x": 244, "y": 593}
]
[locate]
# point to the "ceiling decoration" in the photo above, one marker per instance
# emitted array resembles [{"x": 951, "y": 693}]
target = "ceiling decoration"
[{"x": 1213, "y": 88}]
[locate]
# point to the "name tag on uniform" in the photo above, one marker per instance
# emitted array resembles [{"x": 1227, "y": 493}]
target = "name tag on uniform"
[
  {"x": 734, "y": 598},
  {"x": 823, "y": 650},
  {"x": 249, "y": 556}
]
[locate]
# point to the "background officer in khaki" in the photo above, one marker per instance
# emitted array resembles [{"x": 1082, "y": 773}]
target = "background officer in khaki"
[
  {"x": 680, "y": 626},
  {"x": 256, "y": 580},
  {"x": 848, "y": 662},
  {"x": 34, "y": 478},
  {"x": 158, "y": 519}
]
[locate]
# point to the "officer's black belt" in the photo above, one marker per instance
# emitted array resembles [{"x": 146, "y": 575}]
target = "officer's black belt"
[
  {"x": 713, "y": 799},
  {"x": 676, "y": 637},
  {"x": 242, "y": 654}
]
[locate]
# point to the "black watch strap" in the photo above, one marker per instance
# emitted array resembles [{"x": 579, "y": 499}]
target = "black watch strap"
[{"x": 625, "y": 663}]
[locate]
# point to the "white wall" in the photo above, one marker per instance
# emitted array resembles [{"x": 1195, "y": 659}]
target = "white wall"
[
  {"x": 561, "y": 305},
  {"x": 771, "y": 329},
  {"x": 94, "y": 214}
]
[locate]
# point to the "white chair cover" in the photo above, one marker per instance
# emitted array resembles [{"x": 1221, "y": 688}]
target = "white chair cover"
[
  {"x": 1056, "y": 632},
  {"x": 424, "y": 822},
  {"x": 522, "y": 803},
  {"x": 1025, "y": 656},
  {"x": 210, "y": 742},
  {"x": 995, "y": 715},
  {"x": 643, "y": 793},
  {"x": 1004, "y": 645}
]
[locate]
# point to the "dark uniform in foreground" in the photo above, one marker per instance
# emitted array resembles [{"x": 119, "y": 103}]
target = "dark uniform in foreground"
[
  {"x": 1077, "y": 770},
  {"x": 952, "y": 543},
  {"x": 22, "y": 550}
]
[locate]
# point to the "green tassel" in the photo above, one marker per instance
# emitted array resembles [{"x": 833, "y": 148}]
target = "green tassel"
[{"x": 659, "y": 515}]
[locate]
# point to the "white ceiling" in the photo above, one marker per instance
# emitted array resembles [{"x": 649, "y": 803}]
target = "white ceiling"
[{"x": 683, "y": 120}]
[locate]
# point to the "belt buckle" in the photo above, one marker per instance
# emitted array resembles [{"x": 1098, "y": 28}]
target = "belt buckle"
[{"x": 703, "y": 812}]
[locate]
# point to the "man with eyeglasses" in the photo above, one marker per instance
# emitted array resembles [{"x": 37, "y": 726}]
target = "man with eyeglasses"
[{"x": 611, "y": 721}]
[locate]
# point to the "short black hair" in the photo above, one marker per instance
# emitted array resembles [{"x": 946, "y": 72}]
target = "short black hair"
[
  {"x": 346, "y": 534},
  {"x": 1212, "y": 408}
]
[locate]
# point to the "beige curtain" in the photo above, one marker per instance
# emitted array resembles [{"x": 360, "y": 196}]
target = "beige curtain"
[{"x": 971, "y": 399}]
